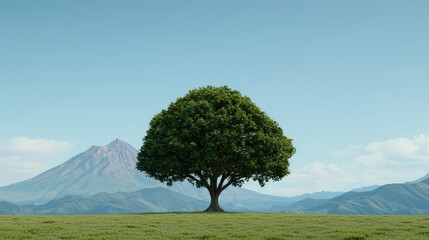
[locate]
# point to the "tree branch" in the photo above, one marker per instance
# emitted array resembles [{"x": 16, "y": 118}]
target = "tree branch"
[
  {"x": 221, "y": 181},
  {"x": 226, "y": 185},
  {"x": 193, "y": 178}
]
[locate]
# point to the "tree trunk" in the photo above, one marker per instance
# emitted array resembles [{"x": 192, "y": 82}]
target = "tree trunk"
[{"x": 214, "y": 202}]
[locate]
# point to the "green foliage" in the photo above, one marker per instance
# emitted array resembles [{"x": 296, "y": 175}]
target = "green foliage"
[
  {"x": 211, "y": 134},
  {"x": 214, "y": 226}
]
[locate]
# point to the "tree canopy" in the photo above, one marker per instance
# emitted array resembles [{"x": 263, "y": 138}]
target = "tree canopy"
[{"x": 214, "y": 138}]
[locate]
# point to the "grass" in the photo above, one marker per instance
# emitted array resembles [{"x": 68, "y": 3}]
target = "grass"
[{"x": 214, "y": 226}]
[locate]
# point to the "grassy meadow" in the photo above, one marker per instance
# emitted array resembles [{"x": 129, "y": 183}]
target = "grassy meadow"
[{"x": 214, "y": 226}]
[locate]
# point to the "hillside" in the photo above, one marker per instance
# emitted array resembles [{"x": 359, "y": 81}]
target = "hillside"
[{"x": 387, "y": 199}]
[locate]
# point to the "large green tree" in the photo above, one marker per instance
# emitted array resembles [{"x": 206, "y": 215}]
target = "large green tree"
[{"x": 214, "y": 137}]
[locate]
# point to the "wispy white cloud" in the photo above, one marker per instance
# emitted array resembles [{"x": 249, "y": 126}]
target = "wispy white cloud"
[
  {"x": 37, "y": 145},
  {"x": 22, "y": 157},
  {"x": 399, "y": 151},
  {"x": 394, "y": 160},
  {"x": 399, "y": 146}
]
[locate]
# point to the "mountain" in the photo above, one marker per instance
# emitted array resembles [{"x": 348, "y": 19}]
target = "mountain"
[
  {"x": 146, "y": 200},
  {"x": 109, "y": 169},
  {"x": 387, "y": 199}
]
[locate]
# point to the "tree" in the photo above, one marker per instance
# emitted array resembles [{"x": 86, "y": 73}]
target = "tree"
[{"x": 215, "y": 138}]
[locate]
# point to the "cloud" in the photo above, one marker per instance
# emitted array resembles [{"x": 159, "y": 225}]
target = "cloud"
[
  {"x": 38, "y": 145},
  {"x": 398, "y": 151},
  {"x": 399, "y": 146},
  {"x": 22, "y": 158},
  {"x": 393, "y": 160}
]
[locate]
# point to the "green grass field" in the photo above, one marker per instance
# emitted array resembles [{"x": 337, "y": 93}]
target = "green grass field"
[{"x": 214, "y": 226}]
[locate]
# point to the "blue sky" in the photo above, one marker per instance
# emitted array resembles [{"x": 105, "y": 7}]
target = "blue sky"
[{"x": 347, "y": 80}]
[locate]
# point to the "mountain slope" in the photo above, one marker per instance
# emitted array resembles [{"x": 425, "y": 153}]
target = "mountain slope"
[
  {"x": 109, "y": 168},
  {"x": 387, "y": 199}
]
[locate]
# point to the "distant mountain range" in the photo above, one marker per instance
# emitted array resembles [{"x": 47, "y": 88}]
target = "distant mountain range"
[
  {"x": 146, "y": 200},
  {"x": 104, "y": 179},
  {"x": 407, "y": 198}
]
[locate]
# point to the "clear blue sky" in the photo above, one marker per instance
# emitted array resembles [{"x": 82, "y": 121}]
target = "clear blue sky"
[{"x": 347, "y": 80}]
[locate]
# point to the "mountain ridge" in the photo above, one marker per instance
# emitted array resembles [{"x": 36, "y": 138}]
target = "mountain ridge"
[
  {"x": 396, "y": 198},
  {"x": 146, "y": 200}
]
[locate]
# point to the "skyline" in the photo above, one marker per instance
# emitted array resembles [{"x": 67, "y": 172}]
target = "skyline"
[{"x": 347, "y": 81}]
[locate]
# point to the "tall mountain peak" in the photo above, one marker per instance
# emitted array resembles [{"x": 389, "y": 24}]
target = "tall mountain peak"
[
  {"x": 118, "y": 143},
  {"x": 109, "y": 168}
]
